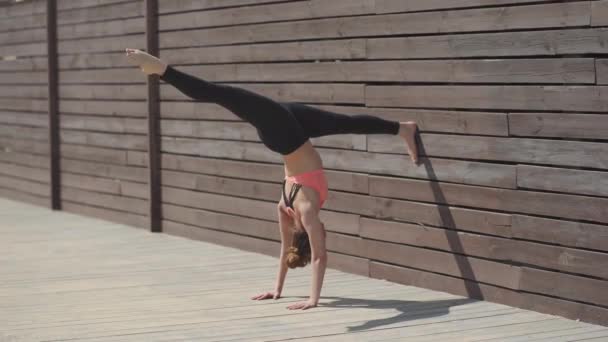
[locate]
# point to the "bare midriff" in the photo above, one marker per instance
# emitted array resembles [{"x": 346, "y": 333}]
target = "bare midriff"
[{"x": 304, "y": 159}]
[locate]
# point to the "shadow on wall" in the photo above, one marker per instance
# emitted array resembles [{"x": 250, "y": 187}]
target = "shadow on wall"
[{"x": 466, "y": 271}]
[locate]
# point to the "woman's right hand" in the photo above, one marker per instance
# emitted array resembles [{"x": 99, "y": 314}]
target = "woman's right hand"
[
  {"x": 146, "y": 62},
  {"x": 267, "y": 295}
]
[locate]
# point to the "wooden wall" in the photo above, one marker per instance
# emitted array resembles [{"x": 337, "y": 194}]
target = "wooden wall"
[
  {"x": 102, "y": 110},
  {"x": 24, "y": 161},
  {"x": 510, "y": 203}
]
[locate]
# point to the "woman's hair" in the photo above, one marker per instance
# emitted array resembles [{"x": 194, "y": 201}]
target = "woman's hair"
[{"x": 299, "y": 254}]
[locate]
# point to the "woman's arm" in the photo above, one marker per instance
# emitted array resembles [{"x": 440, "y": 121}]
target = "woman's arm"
[
  {"x": 286, "y": 240},
  {"x": 316, "y": 234}
]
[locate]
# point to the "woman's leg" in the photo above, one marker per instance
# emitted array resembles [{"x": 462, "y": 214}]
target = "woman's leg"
[
  {"x": 277, "y": 127},
  {"x": 317, "y": 123}
]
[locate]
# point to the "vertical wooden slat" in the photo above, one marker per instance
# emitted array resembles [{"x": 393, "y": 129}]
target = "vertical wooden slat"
[
  {"x": 153, "y": 119},
  {"x": 53, "y": 85}
]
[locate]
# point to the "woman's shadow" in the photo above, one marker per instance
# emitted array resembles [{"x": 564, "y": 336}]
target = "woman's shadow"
[{"x": 407, "y": 309}]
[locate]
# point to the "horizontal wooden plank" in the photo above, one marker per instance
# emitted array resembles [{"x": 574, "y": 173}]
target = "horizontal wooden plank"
[
  {"x": 523, "y": 43},
  {"x": 100, "y": 60},
  {"x": 24, "y": 64},
  {"x": 264, "y": 210},
  {"x": 227, "y": 223},
  {"x": 219, "y": 149},
  {"x": 347, "y": 181},
  {"x": 188, "y": 5},
  {"x": 62, "y": 6},
  {"x": 104, "y": 124},
  {"x": 120, "y": 203},
  {"x": 27, "y": 186},
  {"x": 575, "y": 70},
  {"x": 388, "y": 6},
  {"x": 23, "y": 36},
  {"x": 343, "y": 49},
  {"x": 101, "y": 44},
  {"x": 21, "y": 196},
  {"x": 25, "y": 172},
  {"x": 447, "y": 240},
  {"x": 105, "y": 185},
  {"x": 538, "y": 16},
  {"x": 108, "y": 12},
  {"x": 599, "y": 13},
  {"x": 118, "y": 141},
  {"x": 220, "y": 185},
  {"x": 477, "y": 123},
  {"x": 195, "y": 110},
  {"x": 90, "y": 153},
  {"x": 459, "y": 266},
  {"x": 295, "y": 92},
  {"x": 130, "y": 219},
  {"x": 23, "y": 146},
  {"x": 21, "y": 22},
  {"x": 348, "y": 264},
  {"x": 564, "y": 286},
  {"x": 13, "y": 130},
  {"x": 533, "y": 151},
  {"x": 109, "y": 108},
  {"x": 457, "y": 171},
  {"x": 117, "y": 172},
  {"x": 23, "y": 8},
  {"x": 246, "y": 132},
  {"x": 269, "y": 13},
  {"x": 519, "y": 201},
  {"x": 557, "y": 125},
  {"x": 102, "y": 92},
  {"x": 529, "y": 98},
  {"x": 19, "y": 158},
  {"x": 245, "y": 243},
  {"x": 25, "y": 119},
  {"x": 102, "y": 76},
  {"x": 102, "y": 28},
  {"x": 36, "y": 77},
  {"x": 24, "y": 49},
  {"x": 221, "y": 203},
  {"x": 565, "y": 259},
  {"x": 24, "y": 92},
  {"x": 30, "y": 105},
  {"x": 567, "y": 233},
  {"x": 587, "y": 313},
  {"x": 32, "y": 133},
  {"x": 442, "y": 169},
  {"x": 563, "y": 180},
  {"x": 423, "y": 214}
]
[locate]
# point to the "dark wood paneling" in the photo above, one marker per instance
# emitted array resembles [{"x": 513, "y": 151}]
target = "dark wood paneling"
[
  {"x": 593, "y": 183},
  {"x": 548, "y": 204},
  {"x": 567, "y": 233},
  {"x": 532, "y": 151}
]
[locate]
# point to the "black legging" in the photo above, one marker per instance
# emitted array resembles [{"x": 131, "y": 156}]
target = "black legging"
[{"x": 282, "y": 127}]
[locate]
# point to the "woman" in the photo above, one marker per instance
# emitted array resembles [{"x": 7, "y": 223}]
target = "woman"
[{"x": 286, "y": 128}]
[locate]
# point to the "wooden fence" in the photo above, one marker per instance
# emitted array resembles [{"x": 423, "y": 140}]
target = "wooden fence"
[{"x": 510, "y": 203}]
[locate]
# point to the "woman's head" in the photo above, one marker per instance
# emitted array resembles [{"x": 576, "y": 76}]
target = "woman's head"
[{"x": 299, "y": 254}]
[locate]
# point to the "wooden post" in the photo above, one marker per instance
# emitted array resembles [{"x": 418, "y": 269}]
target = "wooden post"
[
  {"x": 53, "y": 80},
  {"x": 153, "y": 119}
]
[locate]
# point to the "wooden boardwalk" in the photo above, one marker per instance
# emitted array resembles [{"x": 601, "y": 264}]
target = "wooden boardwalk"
[{"x": 65, "y": 277}]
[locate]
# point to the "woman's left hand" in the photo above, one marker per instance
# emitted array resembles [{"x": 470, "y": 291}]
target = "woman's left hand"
[{"x": 302, "y": 305}]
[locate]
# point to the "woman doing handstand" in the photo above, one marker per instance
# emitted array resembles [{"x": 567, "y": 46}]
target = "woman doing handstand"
[{"x": 286, "y": 128}]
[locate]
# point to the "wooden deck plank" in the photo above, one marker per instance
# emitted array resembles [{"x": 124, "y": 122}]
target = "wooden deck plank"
[{"x": 127, "y": 285}]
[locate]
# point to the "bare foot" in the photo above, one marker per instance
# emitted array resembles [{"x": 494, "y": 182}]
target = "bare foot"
[
  {"x": 408, "y": 130},
  {"x": 146, "y": 62}
]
